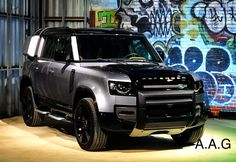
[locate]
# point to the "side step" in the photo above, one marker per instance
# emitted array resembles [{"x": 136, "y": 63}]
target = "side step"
[
  {"x": 59, "y": 118},
  {"x": 54, "y": 116},
  {"x": 42, "y": 112}
]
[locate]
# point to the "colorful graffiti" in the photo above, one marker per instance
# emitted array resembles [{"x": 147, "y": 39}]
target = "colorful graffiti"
[
  {"x": 219, "y": 17},
  {"x": 199, "y": 36},
  {"x": 219, "y": 21},
  {"x": 158, "y": 20},
  {"x": 103, "y": 18}
]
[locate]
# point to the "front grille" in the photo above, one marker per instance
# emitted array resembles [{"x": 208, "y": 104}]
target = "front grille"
[
  {"x": 163, "y": 83},
  {"x": 168, "y": 111},
  {"x": 167, "y": 104},
  {"x": 165, "y": 87}
]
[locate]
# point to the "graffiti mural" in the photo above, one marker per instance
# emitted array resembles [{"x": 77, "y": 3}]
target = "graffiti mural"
[
  {"x": 213, "y": 67},
  {"x": 157, "y": 19},
  {"x": 196, "y": 35},
  {"x": 219, "y": 21},
  {"x": 218, "y": 17}
]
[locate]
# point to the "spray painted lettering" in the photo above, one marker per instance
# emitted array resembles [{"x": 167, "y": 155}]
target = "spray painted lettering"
[{"x": 218, "y": 17}]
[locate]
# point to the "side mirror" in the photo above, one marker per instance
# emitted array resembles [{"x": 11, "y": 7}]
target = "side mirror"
[{"x": 30, "y": 46}]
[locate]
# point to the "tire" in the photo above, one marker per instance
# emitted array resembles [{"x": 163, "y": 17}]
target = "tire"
[
  {"x": 30, "y": 116},
  {"x": 189, "y": 136},
  {"x": 88, "y": 132}
]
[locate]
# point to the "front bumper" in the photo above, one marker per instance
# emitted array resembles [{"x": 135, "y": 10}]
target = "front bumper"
[{"x": 168, "y": 112}]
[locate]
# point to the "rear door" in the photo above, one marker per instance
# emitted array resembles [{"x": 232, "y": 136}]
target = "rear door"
[{"x": 41, "y": 67}]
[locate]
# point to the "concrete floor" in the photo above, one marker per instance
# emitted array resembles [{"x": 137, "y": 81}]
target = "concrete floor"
[{"x": 19, "y": 143}]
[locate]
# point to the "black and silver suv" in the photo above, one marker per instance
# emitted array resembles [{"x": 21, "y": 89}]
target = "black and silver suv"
[{"x": 108, "y": 81}]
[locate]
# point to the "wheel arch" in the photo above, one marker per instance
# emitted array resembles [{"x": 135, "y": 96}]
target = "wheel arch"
[
  {"x": 25, "y": 82},
  {"x": 82, "y": 92}
]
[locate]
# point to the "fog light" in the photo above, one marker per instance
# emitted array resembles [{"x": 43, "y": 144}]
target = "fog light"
[{"x": 126, "y": 113}]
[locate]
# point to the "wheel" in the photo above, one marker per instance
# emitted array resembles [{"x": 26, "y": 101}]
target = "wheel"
[
  {"x": 189, "y": 136},
  {"x": 30, "y": 116},
  {"x": 88, "y": 132}
]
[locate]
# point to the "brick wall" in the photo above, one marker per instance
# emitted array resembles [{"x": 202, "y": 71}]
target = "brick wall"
[{"x": 196, "y": 35}]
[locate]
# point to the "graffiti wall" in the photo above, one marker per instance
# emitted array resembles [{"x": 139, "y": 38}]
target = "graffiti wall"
[{"x": 196, "y": 35}]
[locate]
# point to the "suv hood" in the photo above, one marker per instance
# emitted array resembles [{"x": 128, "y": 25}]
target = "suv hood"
[{"x": 148, "y": 73}]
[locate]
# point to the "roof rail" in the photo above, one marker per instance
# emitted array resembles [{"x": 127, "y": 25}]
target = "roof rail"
[
  {"x": 51, "y": 30},
  {"x": 74, "y": 31}
]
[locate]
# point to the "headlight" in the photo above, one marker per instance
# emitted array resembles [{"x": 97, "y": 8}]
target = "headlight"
[
  {"x": 120, "y": 88},
  {"x": 198, "y": 87}
]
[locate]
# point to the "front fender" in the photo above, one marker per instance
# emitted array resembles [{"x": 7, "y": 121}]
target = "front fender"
[
  {"x": 97, "y": 82},
  {"x": 98, "y": 91}
]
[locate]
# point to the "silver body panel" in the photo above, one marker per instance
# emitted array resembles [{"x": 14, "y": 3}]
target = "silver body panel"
[{"x": 52, "y": 79}]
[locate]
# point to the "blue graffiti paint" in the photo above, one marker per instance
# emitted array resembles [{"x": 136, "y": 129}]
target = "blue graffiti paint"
[
  {"x": 193, "y": 58},
  {"x": 210, "y": 84},
  {"x": 217, "y": 59},
  {"x": 219, "y": 86},
  {"x": 225, "y": 90},
  {"x": 174, "y": 56}
]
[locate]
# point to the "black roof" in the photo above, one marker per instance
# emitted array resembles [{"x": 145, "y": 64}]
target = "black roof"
[{"x": 78, "y": 31}]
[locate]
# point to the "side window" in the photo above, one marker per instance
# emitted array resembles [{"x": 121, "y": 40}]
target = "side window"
[
  {"x": 63, "y": 51},
  {"x": 58, "y": 48},
  {"x": 49, "y": 48}
]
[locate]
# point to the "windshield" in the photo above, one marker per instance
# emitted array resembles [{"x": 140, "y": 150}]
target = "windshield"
[{"x": 115, "y": 47}]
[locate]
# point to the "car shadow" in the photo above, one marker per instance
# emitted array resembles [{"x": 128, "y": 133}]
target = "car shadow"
[
  {"x": 148, "y": 143},
  {"x": 117, "y": 142},
  {"x": 122, "y": 141}
]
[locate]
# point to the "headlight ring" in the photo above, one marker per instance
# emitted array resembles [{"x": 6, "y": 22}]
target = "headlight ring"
[{"x": 120, "y": 88}]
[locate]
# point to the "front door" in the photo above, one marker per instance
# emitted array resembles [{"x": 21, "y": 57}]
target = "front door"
[{"x": 62, "y": 72}]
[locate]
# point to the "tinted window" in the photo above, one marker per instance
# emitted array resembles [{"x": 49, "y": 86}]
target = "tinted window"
[
  {"x": 58, "y": 47},
  {"x": 49, "y": 48},
  {"x": 115, "y": 47},
  {"x": 64, "y": 48}
]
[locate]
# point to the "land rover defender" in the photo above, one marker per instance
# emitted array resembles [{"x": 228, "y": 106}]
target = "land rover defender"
[{"x": 107, "y": 81}]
